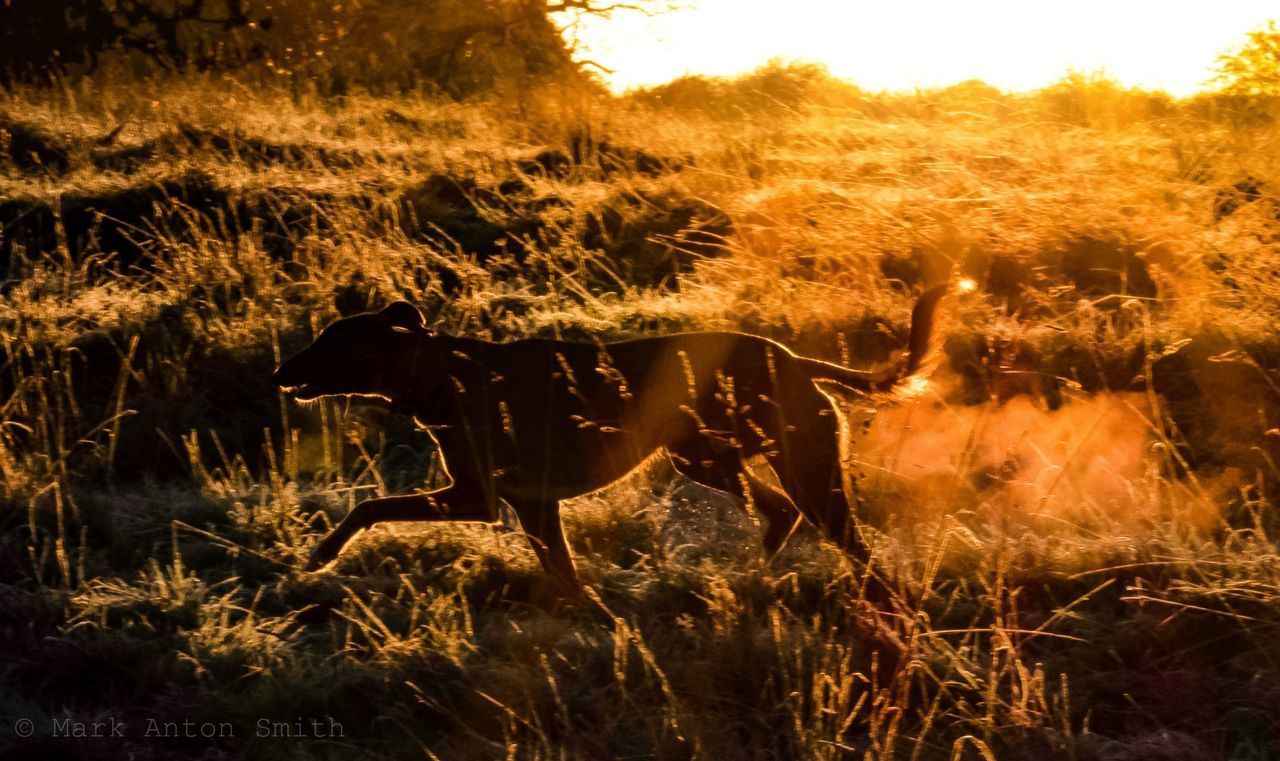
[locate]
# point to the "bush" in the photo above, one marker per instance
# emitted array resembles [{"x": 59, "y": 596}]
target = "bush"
[
  {"x": 1253, "y": 69},
  {"x": 777, "y": 86}
]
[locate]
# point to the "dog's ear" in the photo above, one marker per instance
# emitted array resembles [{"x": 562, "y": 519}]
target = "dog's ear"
[{"x": 402, "y": 314}]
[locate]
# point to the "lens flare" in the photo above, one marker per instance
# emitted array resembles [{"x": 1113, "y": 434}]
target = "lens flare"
[{"x": 915, "y": 387}]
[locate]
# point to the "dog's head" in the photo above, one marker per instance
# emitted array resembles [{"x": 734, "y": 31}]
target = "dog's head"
[{"x": 354, "y": 355}]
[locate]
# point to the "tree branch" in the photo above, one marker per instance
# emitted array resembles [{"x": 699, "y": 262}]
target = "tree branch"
[
  {"x": 595, "y": 65},
  {"x": 606, "y": 8}
]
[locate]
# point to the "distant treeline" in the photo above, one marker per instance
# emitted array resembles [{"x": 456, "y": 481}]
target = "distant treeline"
[
  {"x": 1087, "y": 100},
  {"x": 455, "y": 46}
]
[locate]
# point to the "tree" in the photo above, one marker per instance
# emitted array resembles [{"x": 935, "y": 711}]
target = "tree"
[
  {"x": 457, "y": 47},
  {"x": 1254, "y": 68}
]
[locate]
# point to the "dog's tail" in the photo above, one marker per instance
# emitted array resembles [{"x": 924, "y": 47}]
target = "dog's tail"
[{"x": 923, "y": 354}]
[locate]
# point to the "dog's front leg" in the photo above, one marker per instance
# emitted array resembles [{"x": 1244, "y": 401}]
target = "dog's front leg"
[
  {"x": 452, "y": 503},
  {"x": 540, "y": 520}
]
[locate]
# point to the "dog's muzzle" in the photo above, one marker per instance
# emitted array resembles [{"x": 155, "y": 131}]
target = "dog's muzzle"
[{"x": 285, "y": 378}]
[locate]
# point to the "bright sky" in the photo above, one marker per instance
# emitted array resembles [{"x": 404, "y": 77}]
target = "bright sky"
[{"x": 904, "y": 44}]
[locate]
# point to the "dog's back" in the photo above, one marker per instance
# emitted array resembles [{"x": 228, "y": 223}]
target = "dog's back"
[{"x": 568, "y": 417}]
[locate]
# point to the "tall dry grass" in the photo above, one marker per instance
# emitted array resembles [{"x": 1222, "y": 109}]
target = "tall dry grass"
[{"x": 1079, "y": 511}]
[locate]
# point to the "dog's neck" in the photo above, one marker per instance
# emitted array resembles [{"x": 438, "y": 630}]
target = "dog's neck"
[{"x": 413, "y": 384}]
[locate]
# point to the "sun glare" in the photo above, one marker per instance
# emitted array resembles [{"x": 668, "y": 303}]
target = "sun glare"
[
  {"x": 915, "y": 387},
  {"x": 1012, "y": 44}
]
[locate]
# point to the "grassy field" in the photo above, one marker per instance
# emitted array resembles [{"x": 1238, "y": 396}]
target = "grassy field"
[{"x": 1080, "y": 510}]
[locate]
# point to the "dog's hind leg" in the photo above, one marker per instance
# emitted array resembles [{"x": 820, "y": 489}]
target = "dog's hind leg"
[
  {"x": 779, "y": 511},
  {"x": 541, "y": 522},
  {"x": 725, "y": 470},
  {"x": 808, "y": 466},
  {"x": 452, "y": 503}
]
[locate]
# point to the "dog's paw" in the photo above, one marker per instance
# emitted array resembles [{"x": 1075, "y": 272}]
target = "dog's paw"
[
  {"x": 322, "y": 555},
  {"x": 314, "y": 562},
  {"x": 557, "y": 599}
]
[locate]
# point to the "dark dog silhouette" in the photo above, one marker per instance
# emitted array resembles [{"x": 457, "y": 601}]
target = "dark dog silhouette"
[{"x": 537, "y": 421}]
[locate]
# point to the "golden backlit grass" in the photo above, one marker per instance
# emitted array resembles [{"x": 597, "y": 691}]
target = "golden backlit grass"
[{"x": 1097, "y": 580}]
